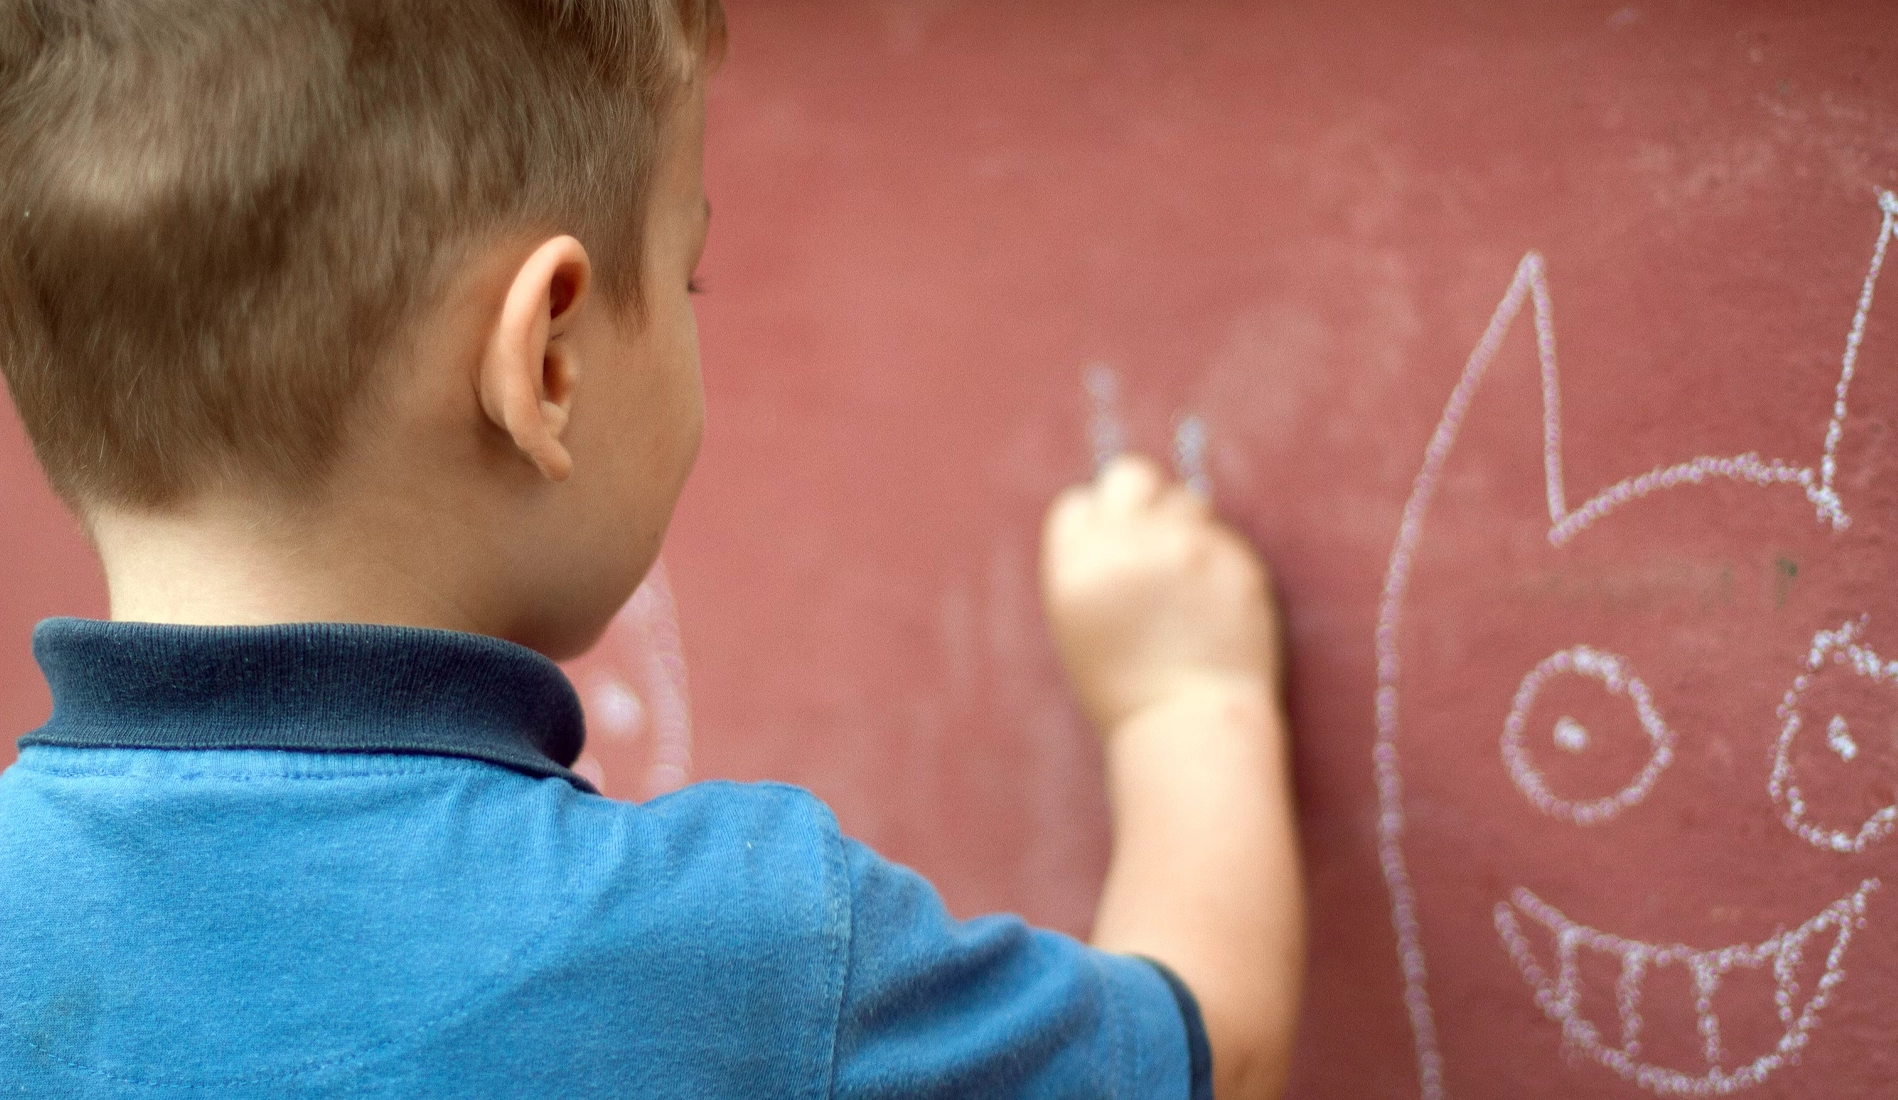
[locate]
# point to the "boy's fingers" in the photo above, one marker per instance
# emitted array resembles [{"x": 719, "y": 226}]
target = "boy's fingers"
[
  {"x": 1129, "y": 482},
  {"x": 1069, "y": 508},
  {"x": 1179, "y": 498}
]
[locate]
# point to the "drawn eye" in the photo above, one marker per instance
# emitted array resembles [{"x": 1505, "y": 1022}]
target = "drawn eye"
[
  {"x": 1843, "y": 702},
  {"x": 1572, "y": 712}
]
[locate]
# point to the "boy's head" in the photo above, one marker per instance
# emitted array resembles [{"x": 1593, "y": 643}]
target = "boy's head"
[{"x": 264, "y": 251}]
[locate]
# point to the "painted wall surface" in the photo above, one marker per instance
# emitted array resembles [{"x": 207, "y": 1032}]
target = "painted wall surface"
[{"x": 1540, "y": 345}]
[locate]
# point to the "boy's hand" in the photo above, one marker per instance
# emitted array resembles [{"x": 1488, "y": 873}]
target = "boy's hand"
[
  {"x": 1164, "y": 618},
  {"x": 1152, "y": 601}
]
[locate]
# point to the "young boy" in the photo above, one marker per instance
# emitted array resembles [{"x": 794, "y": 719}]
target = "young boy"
[{"x": 358, "y": 333}]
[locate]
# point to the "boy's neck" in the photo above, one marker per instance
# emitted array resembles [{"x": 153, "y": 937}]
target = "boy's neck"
[{"x": 230, "y": 566}]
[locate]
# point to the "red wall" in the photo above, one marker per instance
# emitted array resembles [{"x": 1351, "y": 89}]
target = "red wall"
[{"x": 1296, "y": 221}]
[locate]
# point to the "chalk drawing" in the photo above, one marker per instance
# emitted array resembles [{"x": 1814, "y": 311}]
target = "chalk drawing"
[
  {"x": 1839, "y": 740},
  {"x": 1612, "y": 673},
  {"x": 1571, "y": 736},
  {"x": 1840, "y": 647},
  {"x": 1559, "y": 995},
  {"x": 619, "y": 710},
  {"x": 1107, "y": 433},
  {"x": 636, "y": 687},
  {"x": 1530, "y": 287},
  {"x": 1817, "y": 485},
  {"x": 589, "y": 768}
]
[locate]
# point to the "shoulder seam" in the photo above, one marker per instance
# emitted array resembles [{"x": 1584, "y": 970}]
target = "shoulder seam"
[{"x": 843, "y": 905}]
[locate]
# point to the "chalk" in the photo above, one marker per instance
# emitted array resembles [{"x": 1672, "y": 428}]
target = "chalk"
[
  {"x": 1105, "y": 435},
  {"x": 1189, "y": 456}
]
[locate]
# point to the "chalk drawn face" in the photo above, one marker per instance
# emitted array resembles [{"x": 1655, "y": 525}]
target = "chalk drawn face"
[
  {"x": 1636, "y": 801},
  {"x": 632, "y": 685}
]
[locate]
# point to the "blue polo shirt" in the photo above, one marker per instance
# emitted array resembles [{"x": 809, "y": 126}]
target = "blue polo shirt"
[{"x": 321, "y": 860}]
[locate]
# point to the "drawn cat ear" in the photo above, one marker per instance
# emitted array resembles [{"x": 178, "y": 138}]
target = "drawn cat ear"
[
  {"x": 1531, "y": 271},
  {"x": 1825, "y": 494},
  {"x": 1816, "y": 482},
  {"x": 1529, "y": 287}
]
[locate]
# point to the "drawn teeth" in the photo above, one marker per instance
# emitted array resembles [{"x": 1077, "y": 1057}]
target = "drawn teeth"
[{"x": 1560, "y": 995}]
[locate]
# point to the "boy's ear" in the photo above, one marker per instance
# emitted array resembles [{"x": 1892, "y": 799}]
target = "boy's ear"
[{"x": 530, "y": 368}]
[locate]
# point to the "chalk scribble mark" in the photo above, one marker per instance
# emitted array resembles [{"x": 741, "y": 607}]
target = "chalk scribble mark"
[
  {"x": 1107, "y": 433},
  {"x": 641, "y": 692},
  {"x": 1105, "y": 436},
  {"x": 1189, "y": 456}
]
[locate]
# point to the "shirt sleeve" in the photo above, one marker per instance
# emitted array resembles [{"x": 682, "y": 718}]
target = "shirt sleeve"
[
  {"x": 991, "y": 1007},
  {"x": 1199, "y": 1049}
]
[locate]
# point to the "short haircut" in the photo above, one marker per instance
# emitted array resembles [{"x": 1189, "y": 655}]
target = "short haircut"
[{"x": 218, "y": 216}]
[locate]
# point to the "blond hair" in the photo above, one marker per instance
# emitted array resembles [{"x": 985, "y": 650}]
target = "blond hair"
[{"x": 217, "y": 215}]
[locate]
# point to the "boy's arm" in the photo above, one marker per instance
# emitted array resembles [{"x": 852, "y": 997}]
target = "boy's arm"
[{"x": 1166, "y": 626}]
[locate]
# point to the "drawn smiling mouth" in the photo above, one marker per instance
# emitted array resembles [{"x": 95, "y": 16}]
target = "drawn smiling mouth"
[{"x": 1559, "y": 995}]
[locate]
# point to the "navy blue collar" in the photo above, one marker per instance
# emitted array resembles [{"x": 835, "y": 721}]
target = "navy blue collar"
[{"x": 307, "y": 687}]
